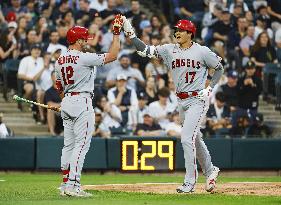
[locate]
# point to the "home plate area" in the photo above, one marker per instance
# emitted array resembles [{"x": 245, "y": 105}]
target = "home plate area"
[{"x": 232, "y": 188}]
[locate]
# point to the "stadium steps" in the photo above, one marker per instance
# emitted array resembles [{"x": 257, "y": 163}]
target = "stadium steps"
[
  {"x": 21, "y": 122},
  {"x": 272, "y": 118}
]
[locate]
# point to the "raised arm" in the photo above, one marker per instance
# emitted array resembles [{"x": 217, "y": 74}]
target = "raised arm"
[{"x": 142, "y": 49}]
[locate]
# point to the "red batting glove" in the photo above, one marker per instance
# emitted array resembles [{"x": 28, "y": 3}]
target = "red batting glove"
[{"x": 117, "y": 24}]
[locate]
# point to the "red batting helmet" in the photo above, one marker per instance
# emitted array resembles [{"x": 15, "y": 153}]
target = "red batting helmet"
[
  {"x": 75, "y": 33},
  {"x": 186, "y": 25}
]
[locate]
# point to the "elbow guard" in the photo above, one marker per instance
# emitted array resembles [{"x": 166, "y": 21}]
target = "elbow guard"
[
  {"x": 59, "y": 86},
  {"x": 149, "y": 52}
]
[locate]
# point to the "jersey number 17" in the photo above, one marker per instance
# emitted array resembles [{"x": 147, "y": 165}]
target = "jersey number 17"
[
  {"x": 189, "y": 77},
  {"x": 67, "y": 74}
]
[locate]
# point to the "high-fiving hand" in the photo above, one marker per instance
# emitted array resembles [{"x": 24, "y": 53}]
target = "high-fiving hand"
[
  {"x": 128, "y": 28},
  {"x": 117, "y": 24}
]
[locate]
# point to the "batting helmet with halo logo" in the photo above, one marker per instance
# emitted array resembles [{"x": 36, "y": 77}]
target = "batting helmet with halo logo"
[
  {"x": 186, "y": 25},
  {"x": 75, "y": 33}
]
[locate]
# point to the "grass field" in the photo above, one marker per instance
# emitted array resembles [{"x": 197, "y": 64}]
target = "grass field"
[{"x": 41, "y": 188}]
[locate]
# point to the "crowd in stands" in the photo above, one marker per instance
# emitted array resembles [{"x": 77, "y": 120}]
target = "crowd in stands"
[{"x": 136, "y": 95}]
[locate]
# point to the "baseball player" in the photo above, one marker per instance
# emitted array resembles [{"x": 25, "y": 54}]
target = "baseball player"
[
  {"x": 75, "y": 73},
  {"x": 189, "y": 63}
]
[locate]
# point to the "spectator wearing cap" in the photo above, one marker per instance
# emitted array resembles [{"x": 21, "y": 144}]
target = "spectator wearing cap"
[
  {"x": 123, "y": 97},
  {"x": 149, "y": 128},
  {"x": 261, "y": 26},
  {"x": 262, "y": 52},
  {"x": 237, "y": 12},
  {"x": 136, "y": 116},
  {"x": 133, "y": 75},
  {"x": 274, "y": 10},
  {"x": 258, "y": 128},
  {"x": 249, "y": 89},
  {"x": 174, "y": 128},
  {"x": 221, "y": 29},
  {"x": 145, "y": 27},
  {"x": 54, "y": 43},
  {"x": 218, "y": 117},
  {"x": 52, "y": 98},
  {"x": 83, "y": 14},
  {"x": 230, "y": 90},
  {"x": 160, "y": 108},
  {"x": 262, "y": 11},
  {"x": 245, "y": 7}
]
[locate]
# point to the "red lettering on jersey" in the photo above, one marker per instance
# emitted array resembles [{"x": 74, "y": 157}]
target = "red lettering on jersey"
[
  {"x": 178, "y": 62},
  {"x": 188, "y": 62},
  {"x": 182, "y": 62},
  {"x": 68, "y": 59}
]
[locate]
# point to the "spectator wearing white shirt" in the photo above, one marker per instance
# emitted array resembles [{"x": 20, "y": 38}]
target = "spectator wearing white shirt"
[
  {"x": 99, "y": 5},
  {"x": 54, "y": 43},
  {"x": 173, "y": 129},
  {"x": 123, "y": 97},
  {"x": 160, "y": 109},
  {"x": 134, "y": 76}
]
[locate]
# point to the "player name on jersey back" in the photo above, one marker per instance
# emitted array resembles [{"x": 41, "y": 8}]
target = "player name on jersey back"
[{"x": 67, "y": 59}]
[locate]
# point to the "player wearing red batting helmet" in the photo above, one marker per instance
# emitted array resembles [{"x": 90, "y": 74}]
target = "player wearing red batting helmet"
[
  {"x": 75, "y": 33},
  {"x": 185, "y": 25}
]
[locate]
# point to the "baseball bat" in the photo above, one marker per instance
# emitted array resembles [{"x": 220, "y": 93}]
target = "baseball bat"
[{"x": 19, "y": 99}]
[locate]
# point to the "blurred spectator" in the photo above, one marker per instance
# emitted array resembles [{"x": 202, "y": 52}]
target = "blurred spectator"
[
  {"x": 156, "y": 69},
  {"x": 258, "y": 128},
  {"x": 261, "y": 26},
  {"x": 236, "y": 13},
  {"x": 241, "y": 128},
  {"x": 156, "y": 24},
  {"x": 85, "y": 13},
  {"x": 278, "y": 44},
  {"x": 159, "y": 109},
  {"x": 274, "y": 10},
  {"x": 193, "y": 10},
  {"x": 149, "y": 128},
  {"x": 111, "y": 114},
  {"x": 221, "y": 29},
  {"x": 249, "y": 89},
  {"x": 7, "y": 45},
  {"x": 4, "y": 130},
  {"x": 62, "y": 29},
  {"x": 262, "y": 11},
  {"x": 25, "y": 44},
  {"x": 54, "y": 42},
  {"x": 121, "y": 7},
  {"x": 52, "y": 98},
  {"x": 123, "y": 97},
  {"x": 133, "y": 75},
  {"x": 136, "y": 116},
  {"x": 218, "y": 117},
  {"x": 29, "y": 68},
  {"x": 145, "y": 27},
  {"x": 135, "y": 14},
  {"x": 166, "y": 34},
  {"x": 95, "y": 38},
  {"x": 98, "y": 5},
  {"x": 42, "y": 29},
  {"x": 172, "y": 88},
  {"x": 21, "y": 30},
  {"x": 68, "y": 20},
  {"x": 250, "y": 18},
  {"x": 230, "y": 90},
  {"x": 58, "y": 11},
  {"x": 16, "y": 8},
  {"x": 101, "y": 129},
  {"x": 151, "y": 90},
  {"x": 107, "y": 40},
  {"x": 262, "y": 52},
  {"x": 174, "y": 128},
  {"x": 244, "y": 6},
  {"x": 109, "y": 13},
  {"x": 247, "y": 42}
]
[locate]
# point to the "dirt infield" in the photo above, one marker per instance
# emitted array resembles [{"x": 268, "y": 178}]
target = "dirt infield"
[{"x": 241, "y": 188}]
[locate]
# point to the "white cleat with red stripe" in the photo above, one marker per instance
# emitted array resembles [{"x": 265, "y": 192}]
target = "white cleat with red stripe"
[
  {"x": 211, "y": 180},
  {"x": 186, "y": 188}
]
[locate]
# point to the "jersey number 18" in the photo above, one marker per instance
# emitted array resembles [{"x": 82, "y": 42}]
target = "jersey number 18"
[{"x": 67, "y": 74}]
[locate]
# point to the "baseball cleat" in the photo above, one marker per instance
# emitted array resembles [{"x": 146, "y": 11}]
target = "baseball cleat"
[
  {"x": 185, "y": 188},
  {"x": 211, "y": 180},
  {"x": 76, "y": 192},
  {"x": 62, "y": 189}
]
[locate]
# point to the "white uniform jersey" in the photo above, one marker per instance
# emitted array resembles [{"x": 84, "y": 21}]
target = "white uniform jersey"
[
  {"x": 189, "y": 67},
  {"x": 77, "y": 70}
]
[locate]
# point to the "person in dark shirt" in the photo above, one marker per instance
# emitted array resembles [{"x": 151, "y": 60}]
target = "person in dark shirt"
[
  {"x": 249, "y": 89},
  {"x": 258, "y": 128},
  {"x": 262, "y": 52},
  {"x": 109, "y": 13},
  {"x": 52, "y": 98},
  {"x": 274, "y": 10},
  {"x": 149, "y": 128},
  {"x": 230, "y": 90},
  {"x": 135, "y": 14},
  {"x": 59, "y": 11},
  {"x": 85, "y": 13}
]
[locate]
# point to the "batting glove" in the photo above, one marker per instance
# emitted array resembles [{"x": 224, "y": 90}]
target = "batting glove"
[
  {"x": 117, "y": 24},
  {"x": 128, "y": 28},
  {"x": 205, "y": 92}
]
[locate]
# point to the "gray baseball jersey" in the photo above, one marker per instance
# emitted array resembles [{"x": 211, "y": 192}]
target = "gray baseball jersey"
[
  {"x": 189, "y": 66},
  {"x": 76, "y": 70}
]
